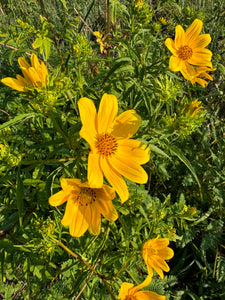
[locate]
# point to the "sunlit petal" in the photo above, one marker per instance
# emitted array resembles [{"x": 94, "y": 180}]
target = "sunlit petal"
[{"x": 107, "y": 112}]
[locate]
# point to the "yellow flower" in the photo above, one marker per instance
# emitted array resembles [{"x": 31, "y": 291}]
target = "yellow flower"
[
  {"x": 163, "y": 20},
  {"x": 35, "y": 76},
  {"x": 130, "y": 292},
  {"x": 100, "y": 39},
  {"x": 113, "y": 153},
  {"x": 189, "y": 47},
  {"x": 84, "y": 206},
  {"x": 138, "y": 3},
  {"x": 154, "y": 253},
  {"x": 195, "y": 74},
  {"x": 193, "y": 108}
]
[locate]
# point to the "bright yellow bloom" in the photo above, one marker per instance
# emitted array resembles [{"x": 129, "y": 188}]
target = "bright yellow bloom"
[
  {"x": 155, "y": 252},
  {"x": 130, "y": 292},
  {"x": 35, "y": 76},
  {"x": 84, "y": 206},
  {"x": 193, "y": 108},
  {"x": 195, "y": 74},
  {"x": 112, "y": 151},
  {"x": 189, "y": 47},
  {"x": 100, "y": 39}
]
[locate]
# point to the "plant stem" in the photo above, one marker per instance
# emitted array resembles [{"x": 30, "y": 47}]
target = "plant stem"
[
  {"x": 88, "y": 265},
  {"x": 58, "y": 128}
]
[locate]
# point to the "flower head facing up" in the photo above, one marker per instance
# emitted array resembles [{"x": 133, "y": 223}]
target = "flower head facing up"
[
  {"x": 188, "y": 48},
  {"x": 195, "y": 74},
  {"x": 130, "y": 292},
  {"x": 155, "y": 252},
  {"x": 113, "y": 153},
  {"x": 84, "y": 206},
  {"x": 35, "y": 76}
]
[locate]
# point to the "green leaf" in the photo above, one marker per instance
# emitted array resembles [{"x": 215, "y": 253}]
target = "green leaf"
[
  {"x": 64, "y": 4},
  {"x": 158, "y": 151},
  {"x": 17, "y": 119},
  {"x": 181, "y": 156}
]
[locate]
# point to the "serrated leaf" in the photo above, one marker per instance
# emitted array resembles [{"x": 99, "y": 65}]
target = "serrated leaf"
[{"x": 17, "y": 119}]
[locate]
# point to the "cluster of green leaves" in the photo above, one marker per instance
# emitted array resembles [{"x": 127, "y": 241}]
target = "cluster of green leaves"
[{"x": 40, "y": 144}]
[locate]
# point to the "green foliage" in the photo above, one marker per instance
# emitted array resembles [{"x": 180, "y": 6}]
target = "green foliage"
[{"x": 40, "y": 144}]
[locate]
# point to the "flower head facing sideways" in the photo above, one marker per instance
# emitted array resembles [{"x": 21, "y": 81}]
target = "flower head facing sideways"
[
  {"x": 113, "y": 153},
  {"x": 188, "y": 48},
  {"x": 130, "y": 292},
  {"x": 85, "y": 205},
  {"x": 154, "y": 253},
  {"x": 35, "y": 76},
  {"x": 195, "y": 74}
]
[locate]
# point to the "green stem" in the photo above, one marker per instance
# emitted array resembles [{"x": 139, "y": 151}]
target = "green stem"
[
  {"x": 87, "y": 264},
  {"x": 58, "y": 128}
]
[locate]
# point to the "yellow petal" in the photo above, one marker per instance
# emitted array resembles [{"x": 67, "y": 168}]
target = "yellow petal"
[
  {"x": 147, "y": 295},
  {"x": 201, "y": 57},
  {"x": 179, "y": 37},
  {"x": 170, "y": 45},
  {"x": 193, "y": 31},
  {"x": 88, "y": 117},
  {"x": 139, "y": 152},
  {"x": 175, "y": 63},
  {"x": 125, "y": 287},
  {"x": 126, "y": 124},
  {"x": 160, "y": 263},
  {"x": 34, "y": 61},
  {"x": 69, "y": 184},
  {"x": 166, "y": 253},
  {"x": 27, "y": 77},
  {"x": 158, "y": 243},
  {"x": 201, "y": 81},
  {"x": 107, "y": 209},
  {"x": 70, "y": 211},
  {"x": 201, "y": 42},
  {"x": 95, "y": 175},
  {"x": 14, "y": 84},
  {"x": 107, "y": 112},
  {"x": 33, "y": 75},
  {"x": 115, "y": 179},
  {"x": 95, "y": 220},
  {"x": 128, "y": 168},
  {"x": 23, "y": 63},
  {"x": 157, "y": 268},
  {"x": 80, "y": 221},
  {"x": 58, "y": 198}
]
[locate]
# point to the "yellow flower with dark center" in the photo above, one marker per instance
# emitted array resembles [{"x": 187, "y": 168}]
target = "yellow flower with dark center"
[
  {"x": 35, "y": 76},
  {"x": 84, "y": 206},
  {"x": 130, "y": 292},
  {"x": 113, "y": 153},
  {"x": 154, "y": 253},
  {"x": 193, "y": 108},
  {"x": 195, "y": 74},
  {"x": 188, "y": 48}
]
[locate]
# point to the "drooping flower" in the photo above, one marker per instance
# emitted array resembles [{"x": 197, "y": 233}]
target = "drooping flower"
[
  {"x": 35, "y": 76},
  {"x": 84, "y": 206},
  {"x": 193, "y": 108},
  {"x": 113, "y": 153},
  {"x": 188, "y": 48},
  {"x": 154, "y": 253},
  {"x": 130, "y": 292},
  {"x": 195, "y": 74}
]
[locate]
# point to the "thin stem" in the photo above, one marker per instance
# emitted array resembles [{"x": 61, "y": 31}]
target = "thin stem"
[
  {"x": 87, "y": 264},
  {"x": 59, "y": 129}
]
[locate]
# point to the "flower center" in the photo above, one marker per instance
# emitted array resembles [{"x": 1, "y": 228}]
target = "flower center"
[
  {"x": 185, "y": 53},
  {"x": 106, "y": 144},
  {"x": 86, "y": 196}
]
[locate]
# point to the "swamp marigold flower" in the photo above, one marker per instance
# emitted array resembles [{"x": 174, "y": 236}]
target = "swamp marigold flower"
[
  {"x": 195, "y": 74},
  {"x": 154, "y": 253},
  {"x": 130, "y": 292},
  {"x": 113, "y": 153},
  {"x": 189, "y": 48},
  {"x": 84, "y": 206},
  {"x": 35, "y": 76}
]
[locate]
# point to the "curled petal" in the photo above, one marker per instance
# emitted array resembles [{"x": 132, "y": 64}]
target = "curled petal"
[{"x": 58, "y": 198}]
